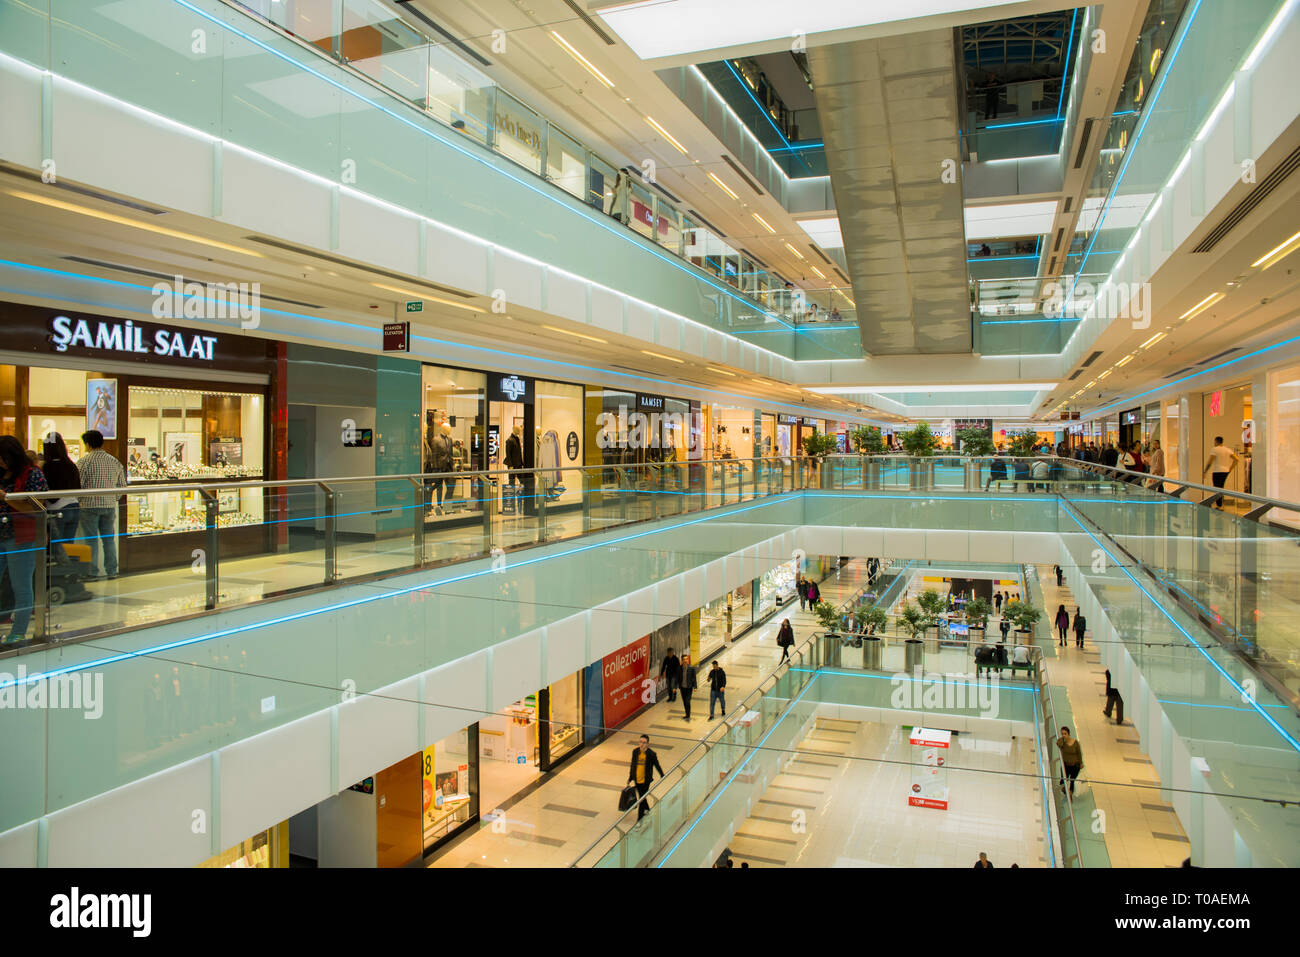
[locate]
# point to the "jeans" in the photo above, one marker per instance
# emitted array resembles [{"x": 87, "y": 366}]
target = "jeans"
[
  {"x": 20, "y": 561},
  {"x": 99, "y": 525},
  {"x": 63, "y": 529},
  {"x": 1071, "y": 772},
  {"x": 686, "y": 701},
  {"x": 720, "y": 696}
]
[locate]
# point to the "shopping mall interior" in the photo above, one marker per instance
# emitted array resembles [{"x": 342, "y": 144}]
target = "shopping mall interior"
[{"x": 658, "y": 434}]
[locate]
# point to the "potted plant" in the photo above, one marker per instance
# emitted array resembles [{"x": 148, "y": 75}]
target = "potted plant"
[
  {"x": 932, "y": 606},
  {"x": 919, "y": 443},
  {"x": 828, "y": 616},
  {"x": 869, "y": 443},
  {"x": 975, "y": 444},
  {"x": 870, "y": 619},
  {"x": 818, "y": 445},
  {"x": 1022, "y": 615},
  {"x": 977, "y": 613},
  {"x": 911, "y": 621}
]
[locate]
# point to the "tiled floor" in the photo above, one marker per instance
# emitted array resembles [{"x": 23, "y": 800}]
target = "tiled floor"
[
  {"x": 1141, "y": 830},
  {"x": 553, "y": 824},
  {"x": 854, "y": 778}
]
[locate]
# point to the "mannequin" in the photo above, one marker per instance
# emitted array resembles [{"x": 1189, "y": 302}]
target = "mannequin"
[{"x": 440, "y": 461}]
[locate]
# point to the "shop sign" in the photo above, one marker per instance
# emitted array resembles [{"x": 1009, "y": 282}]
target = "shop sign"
[
  {"x": 782, "y": 419},
  {"x": 505, "y": 387},
  {"x": 397, "y": 336},
  {"x": 126, "y": 336},
  {"x": 649, "y": 403},
  {"x": 623, "y": 676},
  {"x": 810, "y": 423},
  {"x": 571, "y": 446}
]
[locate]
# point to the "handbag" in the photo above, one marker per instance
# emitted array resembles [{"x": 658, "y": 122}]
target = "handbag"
[{"x": 627, "y": 798}]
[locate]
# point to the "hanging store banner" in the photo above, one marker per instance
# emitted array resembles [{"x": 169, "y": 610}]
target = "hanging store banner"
[{"x": 624, "y": 674}]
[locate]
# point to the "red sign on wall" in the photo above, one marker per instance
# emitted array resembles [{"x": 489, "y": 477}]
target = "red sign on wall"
[
  {"x": 623, "y": 674},
  {"x": 1216, "y": 403}
]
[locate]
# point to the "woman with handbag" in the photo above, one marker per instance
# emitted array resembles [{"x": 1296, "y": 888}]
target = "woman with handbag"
[
  {"x": 18, "y": 531},
  {"x": 784, "y": 639}
]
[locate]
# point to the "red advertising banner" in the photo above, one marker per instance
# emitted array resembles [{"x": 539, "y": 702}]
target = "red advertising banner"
[{"x": 623, "y": 674}]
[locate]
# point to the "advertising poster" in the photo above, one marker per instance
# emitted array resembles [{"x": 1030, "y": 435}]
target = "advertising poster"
[
  {"x": 623, "y": 675},
  {"x": 101, "y": 406},
  {"x": 182, "y": 448},
  {"x": 930, "y": 771},
  {"x": 225, "y": 453}
]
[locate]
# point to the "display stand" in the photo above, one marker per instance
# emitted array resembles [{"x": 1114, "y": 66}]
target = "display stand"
[{"x": 929, "y": 768}]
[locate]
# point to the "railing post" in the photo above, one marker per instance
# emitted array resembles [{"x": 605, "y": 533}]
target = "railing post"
[
  {"x": 489, "y": 499},
  {"x": 40, "y": 594},
  {"x": 331, "y": 539},
  {"x": 211, "y": 561},
  {"x": 586, "y": 483},
  {"x": 722, "y": 471},
  {"x": 417, "y": 530},
  {"x": 539, "y": 490}
]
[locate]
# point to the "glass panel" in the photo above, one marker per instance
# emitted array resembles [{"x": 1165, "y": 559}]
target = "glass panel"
[
  {"x": 566, "y": 164},
  {"x": 518, "y": 132}
]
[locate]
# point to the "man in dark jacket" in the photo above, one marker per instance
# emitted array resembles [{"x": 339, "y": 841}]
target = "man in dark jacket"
[
  {"x": 717, "y": 689},
  {"x": 671, "y": 671},
  {"x": 690, "y": 681},
  {"x": 1080, "y": 627},
  {"x": 641, "y": 772}
]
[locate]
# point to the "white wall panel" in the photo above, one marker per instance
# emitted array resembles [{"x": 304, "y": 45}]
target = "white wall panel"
[
  {"x": 376, "y": 730},
  {"x": 453, "y": 259},
  {"x": 18, "y": 845},
  {"x": 608, "y": 624},
  {"x": 271, "y": 776},
  {"x": 258, "y": 196},
  {"x": 147, "y": 823},
  {"x": 149, "y": 158},
  {"x": 566, "y": 296},
  {"x": 20, "y": 105},
  {"x": 640, "y": 319},
  {"x": 566, "y": 647},
  {"x": 607, "y": 309},
  {"x": 516, "y": 668},
  {"x": 372, "y": 233},
  {"x": 520, "y": 279},
  {"x": 455, "y": 696}
]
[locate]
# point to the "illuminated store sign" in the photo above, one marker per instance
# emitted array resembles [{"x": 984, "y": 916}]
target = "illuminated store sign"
[{"x": 131, "y": 337}]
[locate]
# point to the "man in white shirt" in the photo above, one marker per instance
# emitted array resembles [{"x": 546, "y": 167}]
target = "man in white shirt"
[
  {"x": 1020, "y": 656},
  {"x": 1220, "y": 464}
]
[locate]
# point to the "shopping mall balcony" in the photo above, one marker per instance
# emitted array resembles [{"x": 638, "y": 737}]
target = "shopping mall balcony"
[{"x": 360, "y": 630}]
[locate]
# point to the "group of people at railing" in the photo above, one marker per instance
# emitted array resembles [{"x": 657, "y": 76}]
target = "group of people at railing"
[{"x": 52, "y": 469}]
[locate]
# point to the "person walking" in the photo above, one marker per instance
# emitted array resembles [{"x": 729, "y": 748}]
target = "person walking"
[
  {"x": 801, "y": 586},
  {"x": 98, "y": 469},
  {"x": 1080, "y": 627},
  {"x": 1060, "y": 576},
  {"x": 618, "y": 205},
  {"x": 1004, "y": 626},
  {"x": 784, "y": 639},
  {"x": 1222, "y": 461},
  {"x": 717, "y": 689},
  {"x": 690, "y": 680},
  {"x": 1114, "y": 702},
  {"x": 997, "y": 603},
  {"x": 983, "y": 862},
  {"x": 1071, "y": 757},
  {"x": 1062, "y": 624},
  {"x": 641, "y": 772},
  {"x": 671, "y": 672},
  {"x": 814, "y": 594},
  {"x": 18, "y": 532},
  {"x": 65, "y": 513}
]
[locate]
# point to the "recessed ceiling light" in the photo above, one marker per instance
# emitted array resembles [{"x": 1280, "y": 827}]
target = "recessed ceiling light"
[
  {"x": 1201, "y": 306},
  {"x": 124, "y": 221},
  {"x": 819, "y": 272},
  {"x": 1152, "y": 341},
  {"x": 766, "y": 225},
  {"x": 647, "y": 352},
  {"x": 1125, "y": 361},
  {"x": 587, "y": 64},
  {"x": 723, "y": 186},
  {"x": 666, "y": 135},
  {"x": 793, "y": 250},
  {"x": 1279, "y": 252},
  {"x": 720, "y": 371},
  {"x": 569, "y": 332}
]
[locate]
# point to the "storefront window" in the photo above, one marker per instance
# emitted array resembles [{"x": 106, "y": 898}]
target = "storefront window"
[
  {"x": 1284, "y": 448},
  {"x": 564, "y": 704},
  {"x": 776, "y": 588},
  {"x": 179, "y": 435},
  {"x": 450, "y": 779},
  {"x": 261, "y": 850},
  {"x": 559, "y": 431},
  {"x": 508, "y": 758},
  {"x": 453, "y": 439}
]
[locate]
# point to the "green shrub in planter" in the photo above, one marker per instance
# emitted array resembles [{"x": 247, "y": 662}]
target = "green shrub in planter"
[
  {"x": 919, "y": 440},
  {"x": 828, "y": 616}
]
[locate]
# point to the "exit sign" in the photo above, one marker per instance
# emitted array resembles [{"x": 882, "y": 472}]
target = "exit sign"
[{"x": 414, "y": 305}]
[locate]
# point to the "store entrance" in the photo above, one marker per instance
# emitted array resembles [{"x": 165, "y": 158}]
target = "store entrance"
[{"x": 507, "y": 421}]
